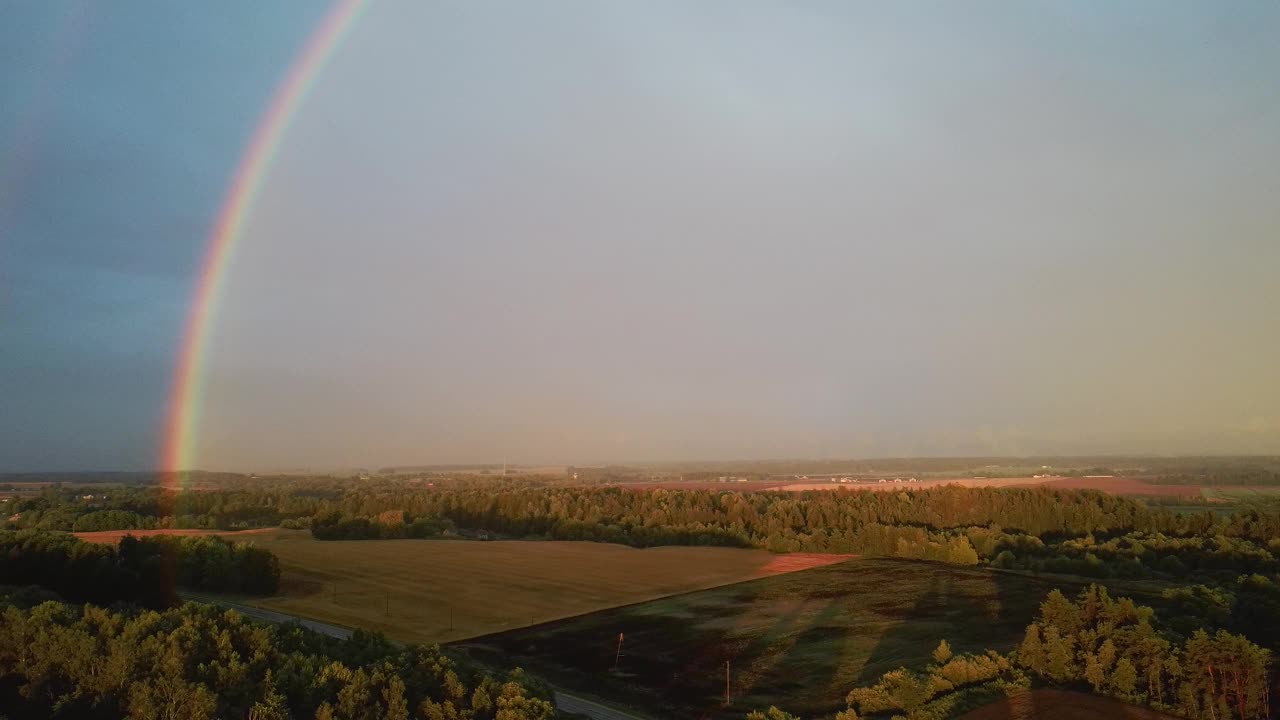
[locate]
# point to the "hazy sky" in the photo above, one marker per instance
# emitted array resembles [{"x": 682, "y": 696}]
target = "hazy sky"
[{"x": 585, "y": 231}]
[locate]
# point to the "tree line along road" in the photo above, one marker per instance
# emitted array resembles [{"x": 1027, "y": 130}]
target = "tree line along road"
[{"x": 564, "y": 701}]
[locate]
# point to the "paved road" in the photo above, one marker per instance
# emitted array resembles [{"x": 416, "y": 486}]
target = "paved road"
[
  {"x": 593, "y": 710},
  {"x": 336, "y": 631},
  {"x": 564, "y": 701}
]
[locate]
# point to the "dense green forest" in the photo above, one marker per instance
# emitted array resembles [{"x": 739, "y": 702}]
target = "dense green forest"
[
  {"x": 198, "y": 662},
  {"x": 141, "y": 570},
  {"x": 1036, "y": 529}
]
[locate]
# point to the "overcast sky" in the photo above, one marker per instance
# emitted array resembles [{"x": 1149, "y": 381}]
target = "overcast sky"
[{"x": 569, "y": 232}]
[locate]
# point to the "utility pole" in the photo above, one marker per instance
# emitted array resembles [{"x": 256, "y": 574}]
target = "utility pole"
[
  {"x": 451, "y": 618},
  {"x": 726, "y": 682},
  {"x": 387, "y": 606}
]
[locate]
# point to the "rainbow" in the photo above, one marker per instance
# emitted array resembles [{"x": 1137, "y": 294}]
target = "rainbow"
[{"x": 186, "y": 396}]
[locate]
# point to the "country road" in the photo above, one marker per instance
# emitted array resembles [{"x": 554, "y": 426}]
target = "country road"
[
  {"x": 564, "y": 701},
  {"x": 336, "y": 631},
  {"x": 593, "y": 710}
]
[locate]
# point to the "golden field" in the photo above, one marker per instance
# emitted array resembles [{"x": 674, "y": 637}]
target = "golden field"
[{"x": 431, "y": 591}]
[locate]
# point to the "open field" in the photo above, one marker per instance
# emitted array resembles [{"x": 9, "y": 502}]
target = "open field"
[
  {"x": 1125, "y": 486},
  {"x": 1132, "y": 486},
  {"x": 803, "y": 485},
  {"x": 800, "y": 641},
  {"x": 1061, "y": 705},
  {"x": 441, "y": 590},
  {"x": 745, "y": 486},
  {"x": 1239, "y": 493},
  {"x": 933, "y": 482}
]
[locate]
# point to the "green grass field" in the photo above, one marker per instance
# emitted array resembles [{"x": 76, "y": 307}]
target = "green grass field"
[
  {"x": 440, "y": 590},
  {"x": 1241, "y": 494},
  {"x": 800, "y": 641}
]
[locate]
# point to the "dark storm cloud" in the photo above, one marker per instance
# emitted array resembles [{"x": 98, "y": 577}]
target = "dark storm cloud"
[{"x": 118, "y": 130}]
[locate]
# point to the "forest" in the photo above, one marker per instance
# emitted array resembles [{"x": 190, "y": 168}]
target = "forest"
[
  {"x": 1227, "y": 564},
  {"x": 1080, "y": 532},
  {"x": 146, "y": 571},
  {"x": 197, "y": 662}
]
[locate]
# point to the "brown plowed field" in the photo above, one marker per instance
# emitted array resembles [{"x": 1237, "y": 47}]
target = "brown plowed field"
[
  {"x": 747, "y": 486},
  {"x": 791, "y": 562},
  {"x": 971, "y": 482},
  {"x": 1129, "y": 486},
  {"x": 1061, "y": 705},
  {"x": 1123, "y": 486}
]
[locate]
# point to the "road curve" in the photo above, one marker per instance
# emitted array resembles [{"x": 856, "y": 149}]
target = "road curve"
[{"x": 564, "y": 701}]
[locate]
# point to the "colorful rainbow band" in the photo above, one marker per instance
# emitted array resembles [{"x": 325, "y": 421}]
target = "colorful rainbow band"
[{"x": 187, "y": 395}]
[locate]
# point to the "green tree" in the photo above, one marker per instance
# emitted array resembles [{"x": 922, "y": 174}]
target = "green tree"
[
  {"x": 1031, "y": 652},
  {"x": 773, "y": 713},
  {"x": 1124, "y": 678},
  {"x": 942, "y": 653}
]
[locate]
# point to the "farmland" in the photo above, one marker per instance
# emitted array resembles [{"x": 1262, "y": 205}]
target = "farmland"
[
  {"x": 1236, "y": 494},
  {"x": 1130, "y": 486},
  {"x": 905, "y": 485},
  {"x": 440, "y": 590},
  {"x": 801, "y": 640},
  {"x": 1127, "y": 486}
]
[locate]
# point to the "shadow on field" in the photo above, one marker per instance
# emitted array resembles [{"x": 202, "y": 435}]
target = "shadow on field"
[
  {"x": 900, "y": 638},
  {"x": 800, "y": 641},
  {"x": 1044, "y": 704},
  {"x": 975, "y": 611}
]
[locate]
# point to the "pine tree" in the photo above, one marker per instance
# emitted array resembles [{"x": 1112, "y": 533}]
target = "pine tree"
[
  {"x": 1031, "y": 651},
  {"x": 1124, "y": 678},
  {"x": 942, "y": 653},
  {"x": 1059, "y": 655}
]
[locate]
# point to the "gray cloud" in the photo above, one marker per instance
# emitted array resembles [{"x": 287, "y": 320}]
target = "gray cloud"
[{"x": 654, "y": 231}]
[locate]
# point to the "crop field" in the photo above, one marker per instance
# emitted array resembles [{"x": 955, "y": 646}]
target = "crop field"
[
  {"x": 970, "y": 482},
  {"x": 442, "y": 590},
  {"x": 430, "y": 591},
  {"x": 1240, "y": 493},
  {"x": 1132, "y": 486},
  {"x": 800, "y": 641}
]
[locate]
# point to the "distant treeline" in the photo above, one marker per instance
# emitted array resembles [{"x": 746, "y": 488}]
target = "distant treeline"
[
  {"x": 200, "y": 662},
  {"x": 234, "y": 504},
  {"x": 387, "y": 525},
  {"x": 146, "y": 571},
  {"x": 1036, "y": 528}
]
